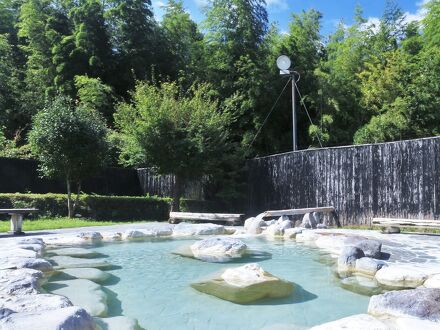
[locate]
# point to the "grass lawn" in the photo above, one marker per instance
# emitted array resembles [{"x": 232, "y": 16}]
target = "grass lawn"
[
  {"x": 402, "y": 229},
  {"x": 58, "y": 223}
]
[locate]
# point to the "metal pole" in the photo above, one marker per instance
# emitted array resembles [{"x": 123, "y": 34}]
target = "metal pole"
[{"x": 294, "y": 145}]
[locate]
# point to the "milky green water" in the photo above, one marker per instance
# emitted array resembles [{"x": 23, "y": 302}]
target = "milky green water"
[{"x": 153, "y": 286}]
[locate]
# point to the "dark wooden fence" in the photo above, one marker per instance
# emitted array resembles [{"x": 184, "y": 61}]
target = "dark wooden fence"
[{"x": 398, "y": 179}]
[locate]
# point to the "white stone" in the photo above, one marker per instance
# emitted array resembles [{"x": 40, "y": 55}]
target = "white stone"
[
  {"x": 292, "y": 232},
  {"x": 69, "y": 318},
  {"x": 307, "y": 236},
  {"x": 331, "y": 243},
  {"x": 401, "y": 276},
  {"x": 74, "y": 252},
  {"x": 248, "y": 274},
  {"x": 71, "y": 262},
  {"x": 185, "y": 229},
  {"x": 21, "y": 262},
  {"x": 135, "y": 235},
  {"x": 369, "y": 266},
  {"x": 33, "y": 302},
  {"x": 432, "y": 282},
  {"x": 309, "y": 221},
  {"x": 18, "y": 252},
  {"x": 219, "y": 246},
  {"x": 84, "y": 293},
  {"x": 20, "y": 281},
  {"x": 117, "y": 323},
  {"x": 92, "y": 274},
  {"x": 410, "y": 323},
  {"x": 90, "y": 235},
  {"x": 355, "y": 322},
  {"x": 254, "y": 226},
  {"x": 112, "y": 236}
]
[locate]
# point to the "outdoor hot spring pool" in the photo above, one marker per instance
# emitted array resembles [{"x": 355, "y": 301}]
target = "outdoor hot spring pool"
[{"x": 152, "y": 284}]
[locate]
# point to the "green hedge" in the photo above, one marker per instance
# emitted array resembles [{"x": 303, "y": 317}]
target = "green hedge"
[{"x": 92, "y": 206}]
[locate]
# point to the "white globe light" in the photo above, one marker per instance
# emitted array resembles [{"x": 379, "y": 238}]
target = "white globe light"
[{"x": 283, "y": 63}]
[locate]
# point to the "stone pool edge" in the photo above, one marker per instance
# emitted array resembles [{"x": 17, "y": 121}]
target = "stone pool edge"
[{"x": 23, "y": 271}]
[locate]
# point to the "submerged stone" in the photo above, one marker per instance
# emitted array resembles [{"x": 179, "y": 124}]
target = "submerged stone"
[
  {"x": 369, "y": 266},
  {"x": 71, "y": 262},
  {"x": 92, "y": 274},
  {"x": 117, "y": 323},
  {"x": 245, "y": 284},
  {"x": 74, "y": 252},
  {"x": 84, "y": 293},
  {"x": 403, "y": 276}
]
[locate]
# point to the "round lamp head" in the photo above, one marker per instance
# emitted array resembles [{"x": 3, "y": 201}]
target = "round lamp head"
[{"x": 283, "y": 63}]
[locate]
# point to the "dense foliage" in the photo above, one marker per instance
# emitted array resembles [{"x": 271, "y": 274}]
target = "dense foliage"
[
  {"x": 368, "y": 82},
  {"x": 172, "y": 132},
  {"x": 69, "y": 142}
]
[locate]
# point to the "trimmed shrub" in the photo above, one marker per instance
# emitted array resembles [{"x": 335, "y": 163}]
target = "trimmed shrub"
[{"x": 92, "y": 206}]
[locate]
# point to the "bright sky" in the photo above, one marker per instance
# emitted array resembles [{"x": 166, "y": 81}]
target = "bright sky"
[{"x": 332, "y": 10}]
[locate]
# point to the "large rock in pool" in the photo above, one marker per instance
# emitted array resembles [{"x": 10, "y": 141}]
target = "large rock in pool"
[
  {"x": 84, "y": 293},
  {"x": 245, "y": 284},
  {"x": 218, "y": 247},
  {"x": 69, "y": 318},
  {"x": 423, "y": 303},
  {"x": 254, "y": 226}
]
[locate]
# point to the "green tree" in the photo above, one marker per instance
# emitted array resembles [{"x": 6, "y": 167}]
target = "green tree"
[
  {"x": 69, "y": 143},
  {"x": 184, "y": 41},
  {"x": 431, "y": 23},
  {"x": 94, "y": 94},
  {"x": 177, "y": 133}
]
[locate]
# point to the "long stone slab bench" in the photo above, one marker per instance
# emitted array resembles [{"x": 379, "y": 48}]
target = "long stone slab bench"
[
  {"x": 231, "y": 219},
  {"x": 17, "y": 218},
  {"x": 394, "y": 222}
]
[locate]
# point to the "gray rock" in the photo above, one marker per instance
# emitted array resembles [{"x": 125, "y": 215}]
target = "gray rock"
[
  {"x": 321, "y": 226},
  {"x": 69, "y": 318},
  {"x": 371, "y": 247},
  {"x": 309, "y": 221},
  {"x": 391, "y": 230},
  {"x": 318, "y": 217},
  {"x": 347, "y": 258},
  {"x": 298, "y": 223},
  {"x": 90, "y": 235},
  {"x": 423, "y": 303}
]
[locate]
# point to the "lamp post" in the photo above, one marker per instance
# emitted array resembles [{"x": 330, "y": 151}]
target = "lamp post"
[{"x": 284, "y": 63}]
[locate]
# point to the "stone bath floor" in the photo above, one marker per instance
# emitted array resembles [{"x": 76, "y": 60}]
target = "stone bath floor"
[{"x": 408, "y": 261}]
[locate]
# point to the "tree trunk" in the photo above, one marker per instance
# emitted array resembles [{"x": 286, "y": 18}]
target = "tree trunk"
[
  {"x": 70, "y": 210},
  {"x": 76, "y": 203},
  {"x": 177, "y": 193}
]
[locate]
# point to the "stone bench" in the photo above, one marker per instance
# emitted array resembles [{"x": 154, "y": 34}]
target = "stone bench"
[
  {"x": 17, "y": 218},
  {"x": 231, "y": 219},
  {"x": 416, "y": 223}
]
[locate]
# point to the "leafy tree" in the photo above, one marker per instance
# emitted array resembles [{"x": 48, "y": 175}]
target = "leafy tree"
[
  {"x": 69, "y": 142},
  {"x": 134, "y": 38},
  {"x": 432, "y": 24},
  {"x": 184, "y": 41},
  {"x": 93, "y": 94},
  {"x": 176, "y": 133}
]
